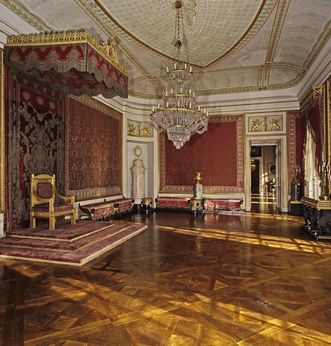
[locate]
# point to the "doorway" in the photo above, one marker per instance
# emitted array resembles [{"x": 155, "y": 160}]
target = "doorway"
[
  {"x": 255, "y": 176},
  {"x": 264, "y": 178}
]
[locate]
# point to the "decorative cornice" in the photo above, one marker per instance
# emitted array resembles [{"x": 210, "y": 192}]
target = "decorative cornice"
[
  {"x": 16, "y": 7},
  {"x": 320, "y": 43},
  {"x": 315, "y": 92},
  {"x": 261, "y": 70},
  {"x": 106, "y": 50}
]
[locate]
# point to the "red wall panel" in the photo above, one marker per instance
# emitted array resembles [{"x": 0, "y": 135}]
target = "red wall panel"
[
  {"x": 93, "y": 149},
  {"x": 217, "y": 153}
]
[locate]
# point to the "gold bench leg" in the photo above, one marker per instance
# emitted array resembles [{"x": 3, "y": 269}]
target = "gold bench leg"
[
  {"x": 73, "y": 219},
  {"x": 32, "y": 222},
  {"x": 52, "y": 223}
]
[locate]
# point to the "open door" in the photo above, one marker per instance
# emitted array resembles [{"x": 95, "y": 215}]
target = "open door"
[
  {"x": 265, "y": 177},
  {"x": 273, "y": 184}
]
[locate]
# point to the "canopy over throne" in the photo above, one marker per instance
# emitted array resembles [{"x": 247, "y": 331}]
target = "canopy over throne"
[{"x": 43, "y": 197}]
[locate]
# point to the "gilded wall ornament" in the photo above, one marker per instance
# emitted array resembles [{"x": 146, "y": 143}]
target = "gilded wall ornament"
[
  {"x": 273, "y": 123},
  {"x": 139, "y": 129}
]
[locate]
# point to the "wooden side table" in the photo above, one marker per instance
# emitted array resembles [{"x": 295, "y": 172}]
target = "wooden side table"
[{"x": 317, "y": 215}]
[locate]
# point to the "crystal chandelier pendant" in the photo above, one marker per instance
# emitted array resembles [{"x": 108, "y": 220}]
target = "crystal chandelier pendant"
[{"x": 179, "y": 116}]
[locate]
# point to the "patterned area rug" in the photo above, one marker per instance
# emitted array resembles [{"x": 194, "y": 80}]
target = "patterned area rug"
[{"x": 73, "y": 245}]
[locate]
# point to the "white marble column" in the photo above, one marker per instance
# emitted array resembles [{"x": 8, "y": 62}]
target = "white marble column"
[{"x": 138, "y": 177}]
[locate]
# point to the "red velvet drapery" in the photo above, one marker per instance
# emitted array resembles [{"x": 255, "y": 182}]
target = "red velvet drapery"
[{"x": 70, "y": 62}]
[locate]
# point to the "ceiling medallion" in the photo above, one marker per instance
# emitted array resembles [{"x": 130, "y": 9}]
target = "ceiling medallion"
[
  {"x": 179, "y": 115},
  {"x": 194, "y": 13}
]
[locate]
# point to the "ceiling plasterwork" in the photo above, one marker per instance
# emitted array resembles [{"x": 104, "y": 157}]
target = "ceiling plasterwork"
[
  {"x": 194, "y": 13},
  {"x": 251, "y": 31},
  {"x": 277, "y": 29},
  {"x": 326, "y": 36},
  {"x": 241, "y": 19},
  {"x": 25, "y": 14},
  {"x": 235, "y": 45},
  {"x": 306, "y": 29},
  {"x": 280, "y": 16}
]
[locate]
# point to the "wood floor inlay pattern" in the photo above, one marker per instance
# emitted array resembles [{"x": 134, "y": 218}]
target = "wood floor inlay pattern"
[{"x": 254, "y": 279}]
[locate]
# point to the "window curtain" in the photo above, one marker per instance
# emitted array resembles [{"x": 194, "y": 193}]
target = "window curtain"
[{"x": 312, "y": 181}]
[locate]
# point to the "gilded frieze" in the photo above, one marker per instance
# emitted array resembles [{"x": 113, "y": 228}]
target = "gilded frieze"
[
  {"x": 139, "y": 129},
  {"x": 265, "y": 124},
  {"x": 18, "y": 8}
]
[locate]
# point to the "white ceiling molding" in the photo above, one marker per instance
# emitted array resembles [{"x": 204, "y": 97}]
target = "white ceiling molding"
[
  {"x": 13, "y": 24},
  {"x": 318, "y": 72}
]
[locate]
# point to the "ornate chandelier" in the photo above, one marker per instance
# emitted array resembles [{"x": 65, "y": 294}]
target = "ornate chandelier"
[{"x": 179, "y": 115}]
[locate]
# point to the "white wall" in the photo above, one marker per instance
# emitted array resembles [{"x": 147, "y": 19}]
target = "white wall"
[{"x": 139, "y": 112}]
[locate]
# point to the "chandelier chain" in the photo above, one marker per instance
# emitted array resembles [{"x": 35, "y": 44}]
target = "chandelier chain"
[{"x": 179, "y": 115}]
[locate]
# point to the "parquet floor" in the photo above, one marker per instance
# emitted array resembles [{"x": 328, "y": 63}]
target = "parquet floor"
[
  {"x": 264, "y": 203},
  {"x": 213, "y": 280}
]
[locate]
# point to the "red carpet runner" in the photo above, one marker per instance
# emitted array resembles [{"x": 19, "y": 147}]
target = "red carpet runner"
[{"x": 71, "y": 244}]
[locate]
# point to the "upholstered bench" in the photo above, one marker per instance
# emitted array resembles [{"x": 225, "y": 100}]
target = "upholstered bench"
[
  {"x": 107, "y": 209},
  {"x": 227, "y": 204},
  {"x": 172, "y": 203}
]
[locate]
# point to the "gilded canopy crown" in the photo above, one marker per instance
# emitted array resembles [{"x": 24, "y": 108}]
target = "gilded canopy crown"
[
  {"x": 71, "y": 62},
  {"x": 106, "y": 49}
]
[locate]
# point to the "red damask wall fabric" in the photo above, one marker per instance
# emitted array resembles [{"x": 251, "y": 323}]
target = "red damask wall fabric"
[
  {"x": 93, "y": 149},
  {"x": 300, "y": 129},
  {"x": 314, "y": 119},
  {"x": 213, "y": 153},
  {"x": 34, "y": 142},
  {"x": 216, "y": 153}
]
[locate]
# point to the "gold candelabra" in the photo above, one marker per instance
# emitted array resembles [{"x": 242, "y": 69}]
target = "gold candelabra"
[
  {"x": 325, "y": 177},
  {"x": 296, "y": 170}
]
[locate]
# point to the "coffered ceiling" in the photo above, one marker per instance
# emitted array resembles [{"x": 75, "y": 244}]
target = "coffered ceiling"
[{"x": 234, "y": 45}]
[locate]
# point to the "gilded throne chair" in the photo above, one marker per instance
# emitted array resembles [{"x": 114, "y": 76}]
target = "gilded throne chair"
[{"x": 43, "y": 201}]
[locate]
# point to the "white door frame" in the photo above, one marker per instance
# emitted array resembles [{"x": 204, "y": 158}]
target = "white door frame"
[{"x": 281, "y": 141}]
